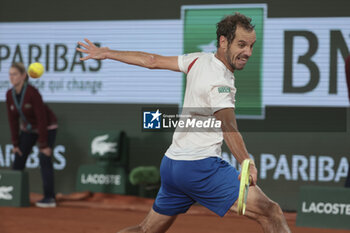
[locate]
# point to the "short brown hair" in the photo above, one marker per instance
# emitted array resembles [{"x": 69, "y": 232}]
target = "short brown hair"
[
  {"x": 21, "y": 68},
  {"x": 228, "y": 25}
]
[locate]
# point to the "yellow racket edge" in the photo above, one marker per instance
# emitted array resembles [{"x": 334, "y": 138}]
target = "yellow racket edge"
[{"x": 244, "y": 187}]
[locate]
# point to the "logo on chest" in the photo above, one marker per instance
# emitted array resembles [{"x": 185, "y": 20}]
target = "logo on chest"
[{"x": 224, "y": 89}]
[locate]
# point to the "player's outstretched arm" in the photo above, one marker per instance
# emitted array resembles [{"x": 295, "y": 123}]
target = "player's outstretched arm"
[
  {"x": 147, "y": 60},
  {"x": 234, "y": 139}
]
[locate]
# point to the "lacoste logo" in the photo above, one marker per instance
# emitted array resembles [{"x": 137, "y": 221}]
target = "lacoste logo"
[
  {"x": 224, "y": 89},
  {"x": 5, "y": 192},
  {"x": 100, "y": 146}
]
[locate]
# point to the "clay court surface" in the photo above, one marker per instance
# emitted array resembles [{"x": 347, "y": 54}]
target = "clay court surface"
[{"x": 86, "y": 213}]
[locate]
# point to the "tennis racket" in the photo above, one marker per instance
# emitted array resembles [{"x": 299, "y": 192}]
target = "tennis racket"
[{"x": 244, "y": 187}]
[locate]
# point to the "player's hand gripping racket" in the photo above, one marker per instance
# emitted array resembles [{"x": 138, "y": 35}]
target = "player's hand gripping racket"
[{"x": 244, "y": 187}]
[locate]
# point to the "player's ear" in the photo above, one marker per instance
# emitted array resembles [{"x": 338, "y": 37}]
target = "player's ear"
[{"x": 223, "y": 42}]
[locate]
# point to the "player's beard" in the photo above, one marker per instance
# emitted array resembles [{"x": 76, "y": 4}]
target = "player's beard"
[
  {"x": 228, "y": 56},
  {"x": 230, "y": 59}
]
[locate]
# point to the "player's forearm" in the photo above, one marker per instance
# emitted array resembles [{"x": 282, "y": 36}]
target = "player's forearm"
[
  {"x": 142, "y": 59},
  {"x": 235, "y": 143},
  {"x": 231, "y": 134}
]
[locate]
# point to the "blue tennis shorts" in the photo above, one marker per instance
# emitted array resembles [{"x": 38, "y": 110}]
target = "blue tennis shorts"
[{"x": 212, "y": 182}]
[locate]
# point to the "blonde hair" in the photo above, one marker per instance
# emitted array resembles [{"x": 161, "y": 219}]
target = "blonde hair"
[{"x": 21, "y": 68}]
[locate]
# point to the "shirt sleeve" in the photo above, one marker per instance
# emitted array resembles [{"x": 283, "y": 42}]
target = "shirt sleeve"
[
  {"x": 185, "y": 60},
  {"x": 13, "y": 121},
  {"x": 41, "y": 118},
  {"x": 221, "y": 97}
]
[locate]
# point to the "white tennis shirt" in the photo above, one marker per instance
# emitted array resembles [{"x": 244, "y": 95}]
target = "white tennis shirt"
[{"x": 209, "y": 88}]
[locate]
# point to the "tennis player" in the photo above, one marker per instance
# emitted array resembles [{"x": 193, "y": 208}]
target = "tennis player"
[
  {"x": 192, "y": 169},
  {"x": 31, "y": 121}
]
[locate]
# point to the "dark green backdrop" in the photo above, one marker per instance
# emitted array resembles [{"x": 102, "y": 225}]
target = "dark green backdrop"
[{"x": 277, "y": 134}]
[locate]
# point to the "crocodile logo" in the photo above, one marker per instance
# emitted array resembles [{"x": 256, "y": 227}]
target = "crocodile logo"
[
  {"x": 5, "y": 192},
  {"x": 101, "y": 147}
]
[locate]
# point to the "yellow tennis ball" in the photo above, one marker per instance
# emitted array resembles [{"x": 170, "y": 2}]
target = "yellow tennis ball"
[{"x": 35, "y": 70}]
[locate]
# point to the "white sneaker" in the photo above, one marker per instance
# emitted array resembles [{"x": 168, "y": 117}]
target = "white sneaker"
[{"x": 46, "y": 203}]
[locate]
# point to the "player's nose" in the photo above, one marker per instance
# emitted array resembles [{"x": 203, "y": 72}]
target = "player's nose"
[{"x": 248, "y": 52}]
